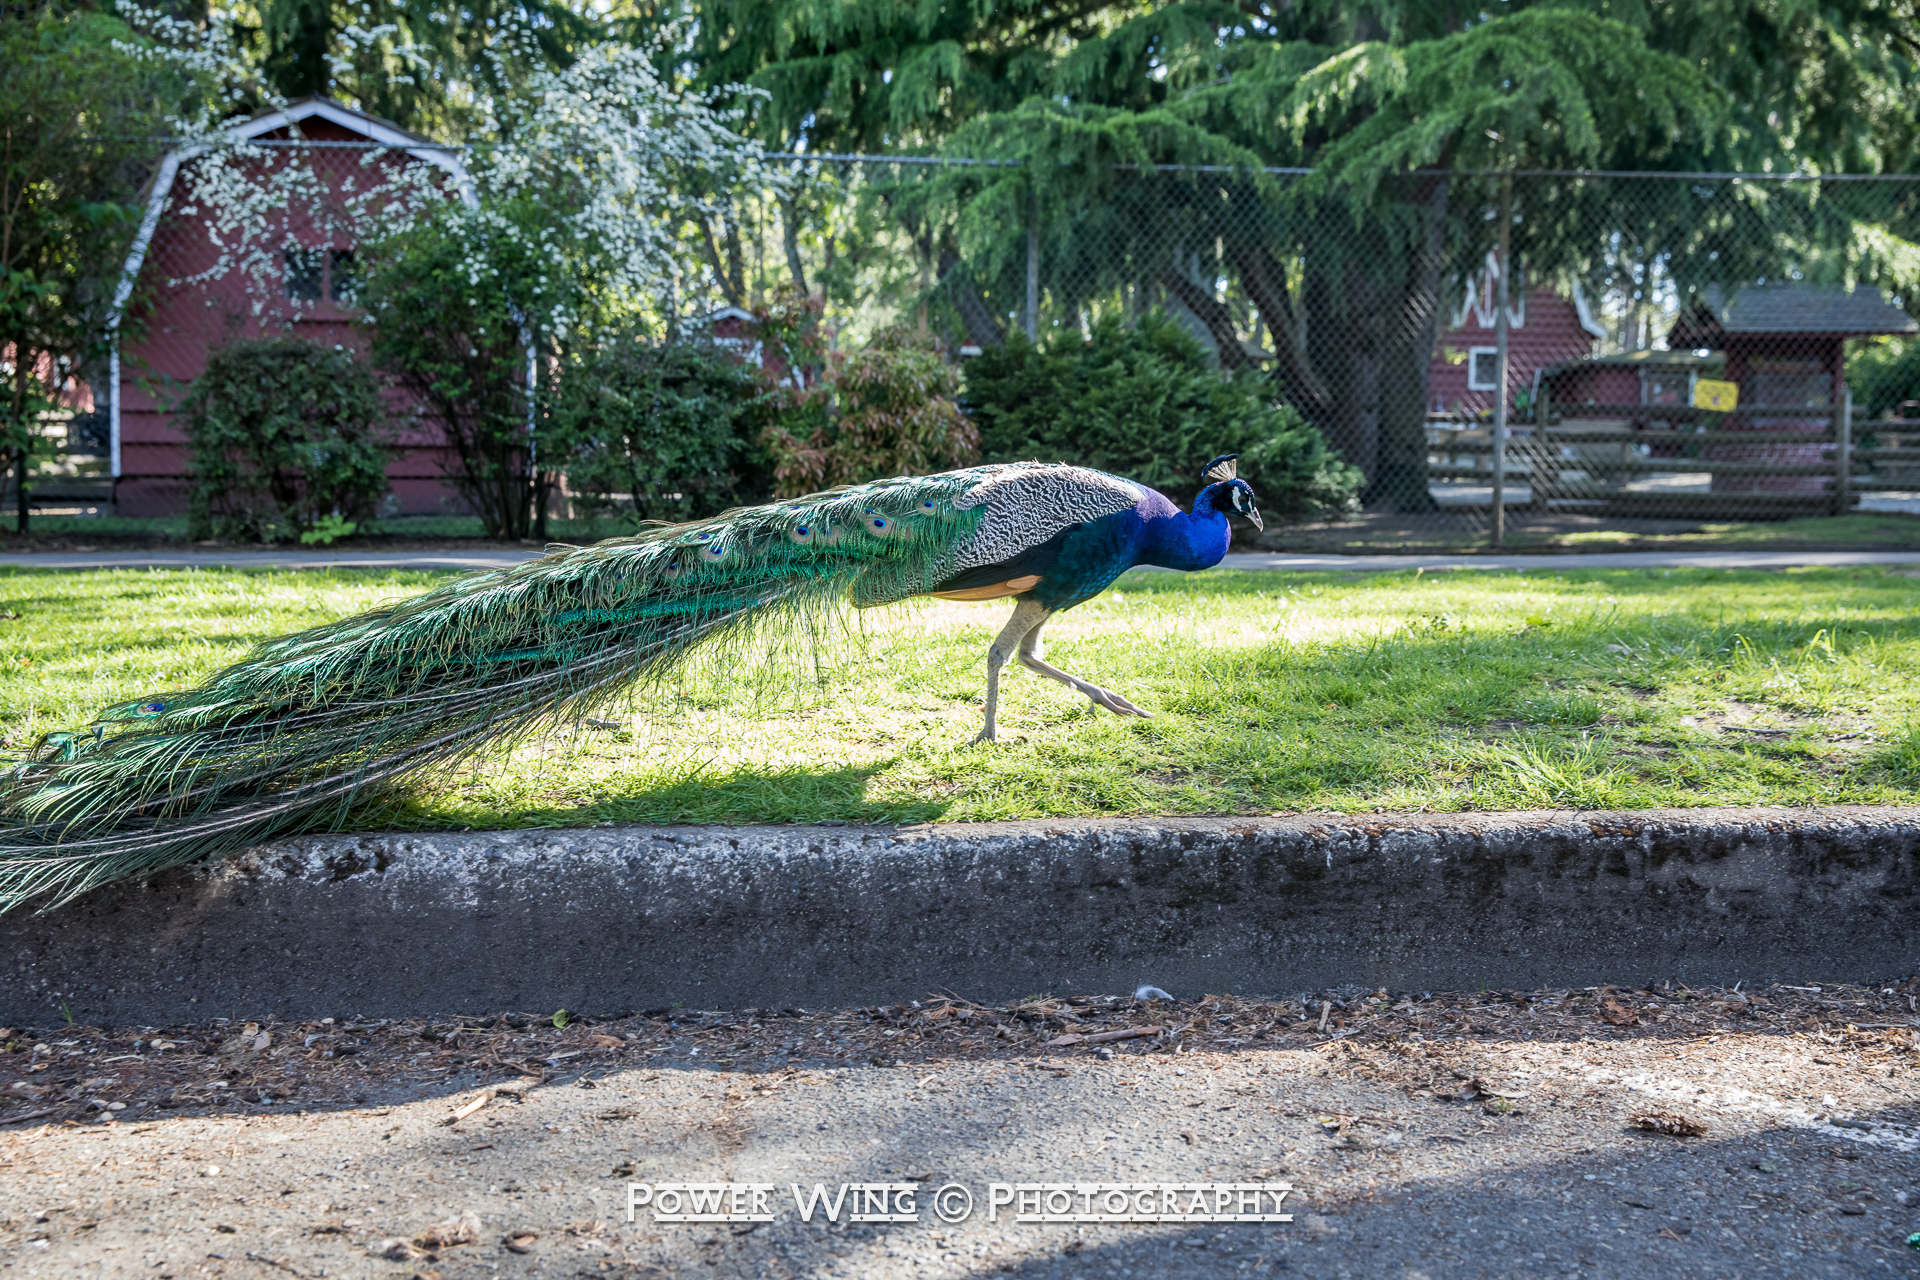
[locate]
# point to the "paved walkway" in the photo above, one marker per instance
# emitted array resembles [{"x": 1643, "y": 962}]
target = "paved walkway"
[{"x": 501, "y": 559}]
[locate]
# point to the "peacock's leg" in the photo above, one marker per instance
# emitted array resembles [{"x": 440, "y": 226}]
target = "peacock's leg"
[
  {"x": 1033, "y": 651},
  {"x": 1027, "y": 616}
]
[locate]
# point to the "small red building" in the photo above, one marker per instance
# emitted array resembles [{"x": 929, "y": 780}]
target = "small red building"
[
  {"x": 1785, "y": 348},
  {"x": 180, "y": 297},
  {"x": 1628, "y": 432},
  {"x": 1543, "y": 329}
]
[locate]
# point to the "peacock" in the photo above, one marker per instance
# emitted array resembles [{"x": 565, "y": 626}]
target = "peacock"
[{"x": 311, "y": 724}]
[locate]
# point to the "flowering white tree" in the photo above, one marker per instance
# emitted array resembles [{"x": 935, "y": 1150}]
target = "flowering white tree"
[
  {"x": 624, "y": 171},
  {"x": 586, "y": 197}
]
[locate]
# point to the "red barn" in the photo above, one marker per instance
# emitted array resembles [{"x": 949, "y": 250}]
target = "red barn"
[
  {"x": 180, "y": 297},
  {"x": 1543, "y": 328}
]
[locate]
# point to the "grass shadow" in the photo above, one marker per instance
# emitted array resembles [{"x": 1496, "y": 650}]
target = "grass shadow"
[{"x": 703, "y": 795}]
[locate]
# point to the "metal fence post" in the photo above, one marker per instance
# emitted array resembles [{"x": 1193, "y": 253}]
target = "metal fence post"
[
  {"x": 1033, "y": 266},
  {"x": 1843, "y": 453},
  {"x": 1500, "y": 365}
]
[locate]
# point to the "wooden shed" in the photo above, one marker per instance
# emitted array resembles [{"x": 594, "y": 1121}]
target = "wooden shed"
[
  {"x": 1784, "y": 345},
  {"x": 176, "y": 302}
]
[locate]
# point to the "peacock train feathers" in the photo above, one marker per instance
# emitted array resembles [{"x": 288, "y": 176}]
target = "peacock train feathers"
[{"x": 311, "y": 724}]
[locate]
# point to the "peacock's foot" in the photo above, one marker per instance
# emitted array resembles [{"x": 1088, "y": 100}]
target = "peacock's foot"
[
  {"x": 985, "y": 735},
  {"x": 1113, "y": 702}
]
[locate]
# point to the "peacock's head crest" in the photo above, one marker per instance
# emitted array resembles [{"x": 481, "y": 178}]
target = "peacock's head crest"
[{"x": 1224, "y": 472}]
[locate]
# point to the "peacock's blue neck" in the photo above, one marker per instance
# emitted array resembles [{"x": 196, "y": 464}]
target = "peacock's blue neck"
[{"x": 1182, "y": 540}]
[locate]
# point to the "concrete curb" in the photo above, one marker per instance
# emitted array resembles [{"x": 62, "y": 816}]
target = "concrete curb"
[{"x": 622, "y": 919}]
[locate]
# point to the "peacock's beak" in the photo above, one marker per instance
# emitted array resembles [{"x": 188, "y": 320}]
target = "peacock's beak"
[{"x": 1253, "y": 514}]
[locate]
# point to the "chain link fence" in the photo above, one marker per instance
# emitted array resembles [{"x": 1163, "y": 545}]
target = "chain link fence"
[{"x": 1677, "y": 349}]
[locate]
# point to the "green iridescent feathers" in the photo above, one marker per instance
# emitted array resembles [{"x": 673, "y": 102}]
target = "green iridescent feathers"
[{"x": 311, "y": 724}]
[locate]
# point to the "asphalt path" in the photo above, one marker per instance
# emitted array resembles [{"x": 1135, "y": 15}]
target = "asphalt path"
[
  {"x": 1393, "y": 1175},
  {"x": 504, "y": 558}
]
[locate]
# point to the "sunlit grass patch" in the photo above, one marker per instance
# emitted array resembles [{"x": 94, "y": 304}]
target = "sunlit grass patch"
[{"x": 1270, "y": 692}]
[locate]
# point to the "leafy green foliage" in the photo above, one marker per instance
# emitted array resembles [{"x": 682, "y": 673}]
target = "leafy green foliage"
[
  {"x": 1884, "y": 373},
  {"x": 457, "y": 349},
  {"x": 583, "y": 202},
  {"x": 77, "y": 112},
  {"x": 405, "y": 61},
  {"x": 1147, "y": 404},
  {"x": 288, "y": 439},
  {"x": 657, "y": 431},
  {"x": 329, "y": 529},
  {"x": 1376, "y": 98},
  {"x": 845, "y": 417},
  {"x": 1543, "y": 86},
  {"x": 888, "y": 409}
]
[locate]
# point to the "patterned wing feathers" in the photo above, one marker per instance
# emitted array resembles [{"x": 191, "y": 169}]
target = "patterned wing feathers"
[{"x": 1027, "y": 504}]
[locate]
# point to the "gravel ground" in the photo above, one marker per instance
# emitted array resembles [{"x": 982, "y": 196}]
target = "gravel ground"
[{"x": 1494, "y": 1134}]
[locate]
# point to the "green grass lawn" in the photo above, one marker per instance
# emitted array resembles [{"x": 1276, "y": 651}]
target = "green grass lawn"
[{"x": 1271, "y": 693}]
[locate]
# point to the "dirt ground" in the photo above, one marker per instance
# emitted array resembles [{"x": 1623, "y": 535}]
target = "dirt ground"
[{"x": 1602, "y": 1132}]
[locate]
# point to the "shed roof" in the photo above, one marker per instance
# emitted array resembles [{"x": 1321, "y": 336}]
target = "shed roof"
[{"x": 1787, "y": 307}]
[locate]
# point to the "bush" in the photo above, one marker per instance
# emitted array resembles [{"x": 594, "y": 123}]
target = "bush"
[
  {"x": 445, "y": 327},
  {"x": 661, "y": 427},
  {"x": 889, "y": 409},
  {"x": 1147, "y": 404},
  {"x": 287, "y": 437},
  {"x": 1884, "y": 373}
]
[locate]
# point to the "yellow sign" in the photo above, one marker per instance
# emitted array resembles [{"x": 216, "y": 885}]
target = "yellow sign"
[{"x": 1716, "y": 397}]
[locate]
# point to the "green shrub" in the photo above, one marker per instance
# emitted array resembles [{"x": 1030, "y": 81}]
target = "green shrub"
[
  {"x": 446, "y": 307},
  {"x": 660, "y": 427},
  {"x": 837, "y": 417},
  {"x": 888, "y": 409},
  {"x": 1147, "y": 404},
  {"x": 285, "y": 434},
  {"x": 1884, "y": 372}
]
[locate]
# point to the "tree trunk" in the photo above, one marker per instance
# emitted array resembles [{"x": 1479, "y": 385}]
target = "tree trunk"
[
  {"x": 736, "y": 262},
  {"x": 1266, "y": 284},
  {"x": 790, "y": 237},
  {"x": 983, "y": 329},
  {"x": 1211, "y": 312},
  {"x": 1399, "y": 479},
  {"x": 1344, "y": 346},
  {"x": 723, "y": 270}
]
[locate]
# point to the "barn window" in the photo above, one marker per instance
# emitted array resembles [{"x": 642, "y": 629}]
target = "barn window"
[
  {"x": 343, "y": 282},
  {"x": 304, "y": 268},
  {"x": 1483, "y": 368}
]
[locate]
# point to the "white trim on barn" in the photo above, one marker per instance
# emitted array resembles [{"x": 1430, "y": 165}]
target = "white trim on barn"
[
  {"x": 1585, "y": 310},
  {"x": 372, "y": 128}
]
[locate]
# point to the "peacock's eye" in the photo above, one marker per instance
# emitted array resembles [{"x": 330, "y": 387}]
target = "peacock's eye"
[
  {"x": 801, "y": 533},
  {"x": 879, "y": 524},
  {"x": 926, "y": 504}
]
